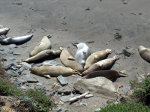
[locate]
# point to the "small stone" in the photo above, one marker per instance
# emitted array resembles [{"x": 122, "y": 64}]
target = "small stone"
[
  {"x": 8, "y": 66},
  {"x": 64, "y": 98},
  {"x": 26, "y": 65},
  {"x": 1, "y": 49},
  {"x": 11, "y": 46},
  {"x": 2, "y": 53},
  {"x": 3, "y": 59},
  {"x": 16, "y": 53},
  {"x": 12, "y": 58},
  {"x": 126, "y": 53},
  {"x": 10, "y": 51},
  {"x": 66, "y": 110},
  {"x": 65, "y": 90},
  {"x": 12, "y": 73},
  {"x": 19, "y": 81},
  {"x": 39, "y": 84},
  {"x": 62, "y": 80},
  {"x": 58, "y": 109}
]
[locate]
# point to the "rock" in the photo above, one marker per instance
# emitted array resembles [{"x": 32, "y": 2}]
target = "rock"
[
  {"x": 11, "y": 46},
  {"x": 10, "y": 51},
  {"x": 39, "y": 84},
  {"x": 19, "y": 81},
  {"x": 25, "y": 65},
  {"x": 1, "y": 49},
  {"x": 62, "y": 80},
  {"x": 3, "y": 53},
  {"x": 16, "y": 53},
  {"x": 64, "y": 98},
  {"x": 58, "y": 109},
  {"x": 12, "y": 73},
  {"x": 97, "y": 86},
  {"x": 3, "y": 59},
  {"x": 30, "y": 79},
  {"x": 12, "y": 58},
  {"x": 126, "y": 52},
  {"x": 51, "y": 62},
  {"x": 8, "y": 66},
  {"x": 64, "y": 90}
]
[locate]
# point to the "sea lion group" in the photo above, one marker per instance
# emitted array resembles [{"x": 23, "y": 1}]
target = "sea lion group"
[{"x": 83, "y": 62}]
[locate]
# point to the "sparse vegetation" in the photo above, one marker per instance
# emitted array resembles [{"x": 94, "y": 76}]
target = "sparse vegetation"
[
  {"x": 34, "y": 100},
  {"x": 130, "y": 107}
]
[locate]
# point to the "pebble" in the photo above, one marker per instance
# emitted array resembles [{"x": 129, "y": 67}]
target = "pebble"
[
  {"x": 1, "y": 49},
  {"x": 3, "y": 53},
  {"x": 8, "y": 66},
  {"x": 3, "y": 59},
  {"x": 10, "y": 51},
  {"x": 12, "y": 58},
  {"x": 26, "y": 65},
  {"x": 11, "y": 46},
  {"x": 62, "y": 80},
  {"x": 39, "y": 84},
  {"x": 64, "y": 98}
]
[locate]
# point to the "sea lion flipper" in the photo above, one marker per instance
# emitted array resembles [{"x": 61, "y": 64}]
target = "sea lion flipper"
[
  {"x": 123, "y": 74},
  {"x": 71, "y": 58}
]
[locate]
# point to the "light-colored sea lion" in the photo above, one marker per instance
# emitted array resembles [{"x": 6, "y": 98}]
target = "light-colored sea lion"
[
  {"x": 46, "y": 54},
  {"x": 95, "y": 57},
  {"x": 16, "y": 40},
  {"x": 82, "y": 53},
  {"x": 109, "y": 74},
  {"x": 144, "y": 53},
  {"x": 101, "y": 65},
  {"x": 53, "y": 71},
  {"x": 69, "y": 61},
  {"x": 44, "y": 44},
  {"x": 4, "y": 31}
]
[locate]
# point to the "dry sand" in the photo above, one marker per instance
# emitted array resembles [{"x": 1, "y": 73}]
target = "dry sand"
[{"x": 83, "y": 21}]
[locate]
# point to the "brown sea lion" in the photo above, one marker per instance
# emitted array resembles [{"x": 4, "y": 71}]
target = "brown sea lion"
[
  {"x": 53, "y": 71},
  {"x": 44, "y": 44},
  {"x": 101, "y": 65},
  {"x": 3, "y": 31},
  {"x": 95, "y": 57},
  {"x": 144, "y": 53},
  {"x": 45, "y": 54},
  {"x": 69, "y": 61},
  {"x": 109, "y": 74}
]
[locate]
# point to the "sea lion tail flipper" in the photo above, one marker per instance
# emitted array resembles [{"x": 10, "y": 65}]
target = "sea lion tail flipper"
[{"x": 122, "y": 73}]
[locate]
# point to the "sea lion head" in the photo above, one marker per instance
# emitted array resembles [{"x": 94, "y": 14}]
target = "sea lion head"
[
  {"x": 108, "y": 51},
  {"x": 141, "y": 48}
]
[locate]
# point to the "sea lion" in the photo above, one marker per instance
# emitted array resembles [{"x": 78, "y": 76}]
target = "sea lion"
[
  {"x": 144, "y": 53},
  {"x": 53, "y": 71},
  {"x": 46, "y": 54},
  {"x": 101, "y": 65},
  {"x": 4, "y": 31},
  {"x": 44, "y": 44},
  {"x": 16, "y": 40},
  {"x": 95, "y": 57},
  {"x": 82, "y": 53},
  {"x": 69, "y": 61},
  {"x": 109, "y": 74}
]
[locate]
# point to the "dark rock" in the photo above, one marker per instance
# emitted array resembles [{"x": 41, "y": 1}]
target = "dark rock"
[
  {"x": 117, "y": 36},
  {"x": 64, "y": 98},
  {"x": 62, "y": 80},
  {"x": 126, "y": 53},
  {"x": 64, "y": 90},
  {"x": 16, "y": 53},
  {"x": 3, "y": 59}
]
